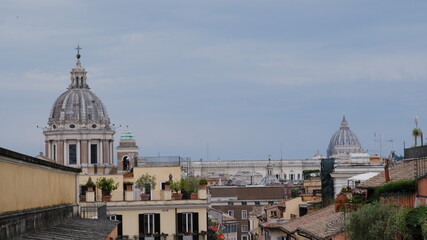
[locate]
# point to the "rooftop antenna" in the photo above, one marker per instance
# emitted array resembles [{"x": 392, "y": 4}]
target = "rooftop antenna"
[{"x": 41, "y": 140}]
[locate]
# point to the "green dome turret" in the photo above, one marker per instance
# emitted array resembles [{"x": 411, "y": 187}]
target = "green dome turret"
[{"x": 127, "y": 135}]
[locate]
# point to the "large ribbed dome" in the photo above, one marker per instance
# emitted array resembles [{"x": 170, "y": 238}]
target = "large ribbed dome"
[
  {"x": 344, "y": 141},
  {"x": 78, "y": 104}
]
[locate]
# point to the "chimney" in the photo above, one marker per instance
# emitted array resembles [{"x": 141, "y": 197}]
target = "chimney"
[{"x": 386, "y": 171}]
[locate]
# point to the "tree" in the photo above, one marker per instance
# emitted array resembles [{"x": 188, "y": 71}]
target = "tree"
[
  {"x": 416, "y": 133},
  {"x": 369, "y": 222}
]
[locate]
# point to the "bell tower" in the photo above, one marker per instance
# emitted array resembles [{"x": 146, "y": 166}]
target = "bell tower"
[{"x": 127, "y": 152}]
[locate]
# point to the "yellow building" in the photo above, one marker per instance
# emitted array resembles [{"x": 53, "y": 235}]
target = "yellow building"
[{"x": 160, "y": 216}]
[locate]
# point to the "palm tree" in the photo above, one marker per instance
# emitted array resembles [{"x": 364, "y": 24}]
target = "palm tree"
[{"x": 416, "y": 132}]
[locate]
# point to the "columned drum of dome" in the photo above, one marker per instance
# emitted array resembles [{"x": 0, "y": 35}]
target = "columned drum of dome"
[
  {"x": 344, "y": 142},
  {"x": 78, "y": 132}
]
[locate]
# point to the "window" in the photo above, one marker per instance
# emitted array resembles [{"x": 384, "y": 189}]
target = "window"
[
  {"x": 94, "y": 153},
  {"x": 244, "y": 237},
  {"x": 231, "y": 213},
  {"x": 149, "y": 223},
  {"x": 244, "y": 228},
  {"x": 244, "y": 203},
  {"x": 270, "y": 202},
  {"x": 257, "y": 203},
  {"x": 273, "y": 214},
  {"x": 54, "y": 153},
  {"x": 292, "y": 176},
  {"x": 230, "y": 203},
  {"x": 72, "y": 154},
  {"x": 244, "y": 214},
  {"x": 277, "y": 176},
  {"x": 188, "y": 222},
  {"x": 299, "y": 176}
]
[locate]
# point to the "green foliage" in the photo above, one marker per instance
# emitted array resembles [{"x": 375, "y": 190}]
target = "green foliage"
[
  {"x": 306, "y": 173},
  {"x": 90, "y": 183},
  {"x": 416, "y": 132},
  {"x": 203, "y": 181},
  {"x": 190, "y": 185},
  {"x": 397, "y": 226},
  {"x": 369, "y": 222},
  {"x": 396, "y": 187},
  {"x": 175, "y": 186},
  {"x": 146, "y": 182},
  {"x": 423, "y": 224},
  {"x": 375, "y": 222},
  {"x": 414, "y": 220},
  {"x": 168, "y": 183},
  {"x": 106, "y": 185},
  {"x": 128, "y": 183}
]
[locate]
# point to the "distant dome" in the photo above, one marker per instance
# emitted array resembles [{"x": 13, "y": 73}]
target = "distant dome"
[
  {"x": 127, "y": 135},
  {"x": 344, "y": 141},
  {"x": 78, "y": 104}
]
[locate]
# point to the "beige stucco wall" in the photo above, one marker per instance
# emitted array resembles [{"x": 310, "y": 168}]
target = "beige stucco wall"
[
  {"x": 161, "y": 174},
  {"x": 24, "y": 186},
  {"x": 292, "y": 207},
  {"x": 116, "y": 195}
]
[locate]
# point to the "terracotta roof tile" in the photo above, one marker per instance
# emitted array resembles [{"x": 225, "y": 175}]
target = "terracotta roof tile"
[
  {"x": 402, "y": 171},
  {"x": 292, "y": 226},
  {"x": 322, "y": 228},
  {"x": 249, "y": 193}
]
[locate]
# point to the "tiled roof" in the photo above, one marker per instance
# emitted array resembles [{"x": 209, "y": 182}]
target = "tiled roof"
[
  {"x": 249, "y": 193},
  {"x": 292, "y": 226},
  {"x": 76, "y": 228},
  {"x": 281, "y": 204},
  {"x": 325, "y": 227},
  {"x": 226, "y": 217},
  {"x": 402, "y": 171}
]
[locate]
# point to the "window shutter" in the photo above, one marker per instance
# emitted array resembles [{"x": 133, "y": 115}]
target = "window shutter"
[
  {"x": 179, "y": 223},
  {"x": 141, "y": 224},
  {"x": 195, "y": 222},
  {"x": 157, "y": 223}
]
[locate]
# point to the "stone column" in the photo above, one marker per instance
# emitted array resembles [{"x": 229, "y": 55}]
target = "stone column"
[
  {"x": 83, "y": 152},
  {"x": 60, "y": 154},
  {"x": 100, "y": 151},
  {"x": 106, "y": 152},
  {"x": 46, "y": 150}
]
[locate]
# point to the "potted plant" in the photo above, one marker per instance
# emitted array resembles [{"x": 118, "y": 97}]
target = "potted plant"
[
  {"x": 146, "y": 182},
  {"x": 203, "y": 182},
  {"x": 190, "y": 187},
  {"x": 128, "y": 174},
  {"x": 90, "y": 185},
  {"x": 167, "y": 185},
  {"x": 128, "y": 186},
  {"x": 107, "y": 186},
  {"x": 176, "y": 186}
]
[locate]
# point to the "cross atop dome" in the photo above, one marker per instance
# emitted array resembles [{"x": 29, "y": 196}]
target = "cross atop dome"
[
  {"x": 344, "y": 122},
  {"x": 78, "y": 48}
]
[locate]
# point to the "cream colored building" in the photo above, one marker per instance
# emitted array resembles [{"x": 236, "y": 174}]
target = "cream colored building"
[{"x": 161, "y": 217}]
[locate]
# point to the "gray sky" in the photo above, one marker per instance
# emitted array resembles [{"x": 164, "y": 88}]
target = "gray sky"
[{"x": 244, "y": 77}]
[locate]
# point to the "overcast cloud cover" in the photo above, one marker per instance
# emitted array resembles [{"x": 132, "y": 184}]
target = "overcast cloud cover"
[{"x": 242, "y": 77}]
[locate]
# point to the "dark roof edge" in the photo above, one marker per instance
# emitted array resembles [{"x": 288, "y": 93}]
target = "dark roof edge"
[{"x": 32, "y": 160}]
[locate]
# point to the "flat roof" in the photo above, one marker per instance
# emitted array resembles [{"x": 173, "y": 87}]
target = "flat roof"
[{"x": 32, "y": 160}]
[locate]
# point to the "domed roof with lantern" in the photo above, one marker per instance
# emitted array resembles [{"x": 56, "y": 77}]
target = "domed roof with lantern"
[
  {"x": 344, "y": 141},
  {"x": 78, "y": 105}
]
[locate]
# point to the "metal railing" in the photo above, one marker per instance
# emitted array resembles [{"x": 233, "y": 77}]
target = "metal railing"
[{"x": 94, "y": 211}]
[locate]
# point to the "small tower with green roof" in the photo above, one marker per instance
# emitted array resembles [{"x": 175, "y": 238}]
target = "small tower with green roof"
[{"x": 127, "y": 151}]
